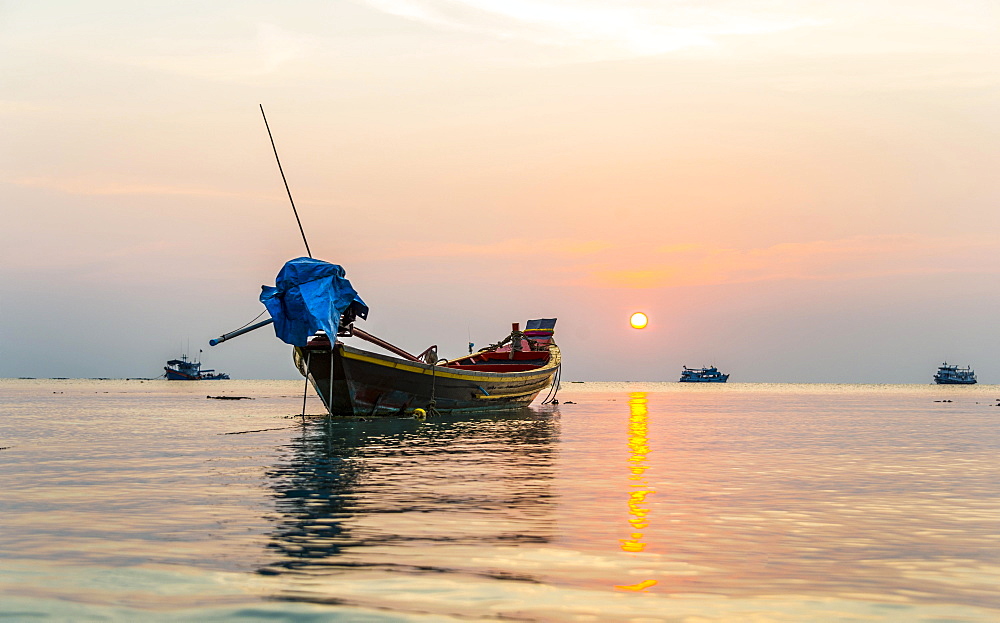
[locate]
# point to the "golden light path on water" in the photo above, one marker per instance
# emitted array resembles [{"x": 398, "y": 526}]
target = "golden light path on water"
[{"x": 638, "y": 445}]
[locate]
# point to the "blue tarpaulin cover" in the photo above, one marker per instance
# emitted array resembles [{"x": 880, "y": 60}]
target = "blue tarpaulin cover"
[{"x": 310, "y": 296}]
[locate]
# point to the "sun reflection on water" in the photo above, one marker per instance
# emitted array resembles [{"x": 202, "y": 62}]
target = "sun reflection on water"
[{"x": 639, "y": 489}]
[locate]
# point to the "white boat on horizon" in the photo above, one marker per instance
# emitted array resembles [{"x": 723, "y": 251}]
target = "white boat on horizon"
[{"x": 953, "y": 375}]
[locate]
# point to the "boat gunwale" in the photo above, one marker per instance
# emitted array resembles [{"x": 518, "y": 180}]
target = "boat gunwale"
[{"x": 388, "y": 361}]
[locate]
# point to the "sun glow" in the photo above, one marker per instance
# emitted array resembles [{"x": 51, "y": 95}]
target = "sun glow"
[{"x": 638, "y": 320}]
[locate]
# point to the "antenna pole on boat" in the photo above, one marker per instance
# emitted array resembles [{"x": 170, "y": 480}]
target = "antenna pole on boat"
[{"x": 280, "y": 170}]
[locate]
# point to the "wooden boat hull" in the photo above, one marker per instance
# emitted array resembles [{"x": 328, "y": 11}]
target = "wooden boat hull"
[{"x": 351, "y": 381}]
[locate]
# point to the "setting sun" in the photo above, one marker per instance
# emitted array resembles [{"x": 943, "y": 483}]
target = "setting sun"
[{"x": 638, "y": 320}]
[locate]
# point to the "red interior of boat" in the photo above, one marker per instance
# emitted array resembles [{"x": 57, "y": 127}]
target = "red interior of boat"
[{"x": 502, "y": 361}]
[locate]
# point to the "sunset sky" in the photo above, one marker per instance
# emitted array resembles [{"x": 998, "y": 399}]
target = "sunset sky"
[{"x": 793, "y": 191}]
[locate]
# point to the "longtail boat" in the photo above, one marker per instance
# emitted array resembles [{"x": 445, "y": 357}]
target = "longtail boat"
[
  {"x": 507, "y": 375},
  {"x": 313, "y": 300}
]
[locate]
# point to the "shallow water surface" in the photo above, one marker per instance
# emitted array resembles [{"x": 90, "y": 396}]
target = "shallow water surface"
[{"x": 145, "y": 500}]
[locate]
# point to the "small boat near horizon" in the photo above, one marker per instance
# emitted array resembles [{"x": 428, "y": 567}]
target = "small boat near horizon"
[
  {"x": 710, "y": 374},
  {"x": 953, "y": 375},
  {"x": 184, "y": 369}
]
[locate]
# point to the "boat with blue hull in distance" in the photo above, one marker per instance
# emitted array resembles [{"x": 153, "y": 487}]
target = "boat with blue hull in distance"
[
  {"x": 953, "y": 375},
  {"x": 185, "y": 370},
  {"x": 703, "y": 375}
]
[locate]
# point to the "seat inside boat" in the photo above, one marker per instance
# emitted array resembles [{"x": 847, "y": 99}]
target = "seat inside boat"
[{"x": 501, "y": 361}]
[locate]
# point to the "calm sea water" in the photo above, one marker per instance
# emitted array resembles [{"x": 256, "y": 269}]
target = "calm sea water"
[{"x": 145, "y": 500}]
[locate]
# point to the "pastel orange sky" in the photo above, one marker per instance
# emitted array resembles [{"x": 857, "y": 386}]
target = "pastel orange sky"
[{"x": 802, "y": 192}]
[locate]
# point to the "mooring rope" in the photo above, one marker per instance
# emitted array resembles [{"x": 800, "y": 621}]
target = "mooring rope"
[
  {"x": 305, "y": 390},
  {"x": 431, "y": 406},
  {"x": 329, "y": 398},
  {"x": 554, "y": 389}
]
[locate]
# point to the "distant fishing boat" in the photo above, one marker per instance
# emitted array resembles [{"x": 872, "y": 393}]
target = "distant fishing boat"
[
  {"x": 702, "y": 375},
  {"x": 185, "y": 370},
  {"x": 953, "y": 375},
  {"x": 313, "y": 301}
]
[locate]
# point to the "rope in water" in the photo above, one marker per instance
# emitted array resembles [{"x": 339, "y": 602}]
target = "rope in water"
[
  {"x": 432, "y": 405},
  {"x": 329, "y": 400},
  {"x": 305, "y": 390},
  {"x": 554, "y": 388}
]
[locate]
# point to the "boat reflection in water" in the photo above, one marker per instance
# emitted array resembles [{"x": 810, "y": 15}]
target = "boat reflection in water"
[{"x": 361, "y": 502}]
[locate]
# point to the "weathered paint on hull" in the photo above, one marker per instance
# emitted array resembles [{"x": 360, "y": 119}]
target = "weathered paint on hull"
[{"x": 366, "y": 383}]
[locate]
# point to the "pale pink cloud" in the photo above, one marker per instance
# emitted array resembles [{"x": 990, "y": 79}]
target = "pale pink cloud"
[
  {"x": 850, "y": 258},
  {"x": 514, "y": 248},
  {"x": 604, "y": 264}
]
